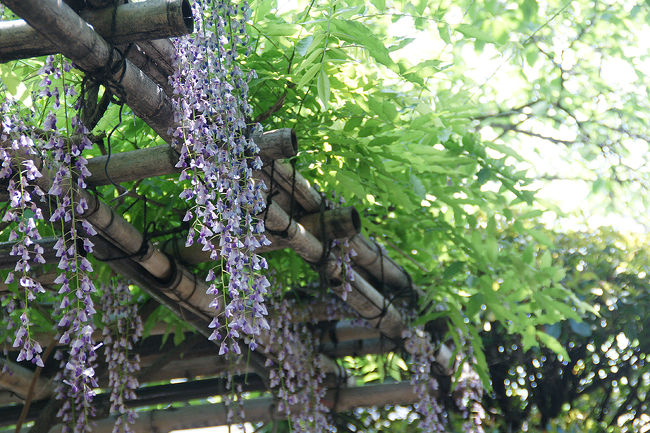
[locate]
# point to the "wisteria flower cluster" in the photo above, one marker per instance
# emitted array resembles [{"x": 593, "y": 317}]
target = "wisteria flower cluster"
[
  {"x": 16, "y": 150},
  {"x": 344, "y": 261},
  {"x": 217, "y": 159},
  {"x": 122, "y": 329},
  {"x": 67, "y": 170},
  {"x": 297, "y": 377},
  {"x": 468, "y": 393},
  {"x": 432, "y": 414}
]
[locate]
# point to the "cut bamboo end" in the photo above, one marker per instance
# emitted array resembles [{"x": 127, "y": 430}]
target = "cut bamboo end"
[
  {"x": 277, "y": 144},
  {"x": 341, "y": 223},
  {"x": 153, "y": 19}
]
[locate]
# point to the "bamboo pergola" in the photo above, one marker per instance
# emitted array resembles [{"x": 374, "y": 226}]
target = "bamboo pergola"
[{"x": 92, "y": 38}]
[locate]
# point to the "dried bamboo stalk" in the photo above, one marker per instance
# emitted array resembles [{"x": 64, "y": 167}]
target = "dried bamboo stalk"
[
  {"x": 364, "y": 298},
  {"x": 161, "y": 160},
  {"x": 339, "y": 223},
  {"x": 146, "y": 64},
  {"x": 194, "y": 254},
  {"x": 17, "y": 379},
  {"x": 368, "y": 255},
  {"x": 153, "y": 19},
  {"x": 162, "y": 51},
  {"x": 90, "y": 52},
  {"x": 264, "y": 409},
  {"x": 97, "y": 4}
]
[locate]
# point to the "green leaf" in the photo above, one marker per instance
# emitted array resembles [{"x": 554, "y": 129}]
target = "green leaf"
[
  {"x": 379, "y": 4},
  {"x": 303, "y": 45},
  {"x": 323, "y": 86},
  {"x": 309, "y": 75},
  {"x": 581, "y": 328},
  {"x": 529, "y": 9},
  {"x": 351, "y": 183},
  {"x": 553, "y": 344},
  {"x": 474, "y": 32},
  {"x": 279, "y": 29},
  {"x": 360, "y": 34},
  {"x": 483, "y": 175},
  {"x": 541, "y": 237},
  {"x": 453, "y": 269},
  {"x": 444, "y": 30}
]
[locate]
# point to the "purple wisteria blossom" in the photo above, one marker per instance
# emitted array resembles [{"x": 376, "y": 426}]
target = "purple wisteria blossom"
[
  {"x": 432, "y": 415},
  {"x": 297, "y": 378},
  {"x": 122, "y": 329},
  {"x": 16, "y": 150},
  {"x": 216, "y": 159},
  {"x": 468, "y": 393},
  {"x": 65, "y": 142},
  {"x": 344, "y": 260}
]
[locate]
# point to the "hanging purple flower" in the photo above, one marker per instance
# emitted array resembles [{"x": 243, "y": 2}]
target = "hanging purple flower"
[
  {"x": 432, "y": 415},
  {"x": 212, "y": 106},
  {"x": 297, "y": 379},
  {"x": 16, "y": 145},
  {"x": 122, "y": 329}
]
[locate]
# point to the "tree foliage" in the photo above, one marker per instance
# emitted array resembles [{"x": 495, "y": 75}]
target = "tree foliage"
[{"x": 434, "y": 121}]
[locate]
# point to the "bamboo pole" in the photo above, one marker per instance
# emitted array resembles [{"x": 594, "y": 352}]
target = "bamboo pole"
[
  {"x": 152, "y": 19},
  {"x": 369, "y": 257},
  {"x": 17, "y": 379},
  {"x": 152, "y": 395},
  {"x": 364, "y": 298},
  {"x": 339, "y": 223},
  {"x": 263, "y": 409},
  {"x": 101, "y": 3},
  {"x": 162, "y": 51},
  {"x": 161, "y": 160},
  {"x": 194, "y": 254},
  {"x": 90, "y": 52},
  {"x": 147, "y": 65}
]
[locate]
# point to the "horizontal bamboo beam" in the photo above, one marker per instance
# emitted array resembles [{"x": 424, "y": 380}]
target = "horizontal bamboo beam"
[
  {"x": 152, "y": 19},
  {"x": 151, "y": 395},
  {"x": 162, "y": 160},
  {"x": 262, "y": 409},
  {"x": 265, "y": 409},
  {"x": 146, "y": 64},
  {"x": 194, "y": 254},
  {"x": 18, "y": 379},
  {"x": 97, "y": 4}
]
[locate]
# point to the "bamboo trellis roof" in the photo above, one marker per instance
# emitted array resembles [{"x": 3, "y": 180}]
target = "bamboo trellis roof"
[{"x": 162, "y": 270}]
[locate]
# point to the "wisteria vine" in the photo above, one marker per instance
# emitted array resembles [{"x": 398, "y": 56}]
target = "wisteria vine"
[{"x": 217, "y": 159}]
